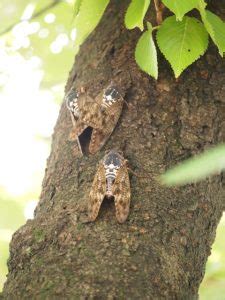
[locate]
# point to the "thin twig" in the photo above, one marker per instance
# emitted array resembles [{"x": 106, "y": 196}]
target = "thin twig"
[
  {"x": 159, "y": 9},
  {"x": 155, "y": 27},
  {"x": 37, "y": 14}
]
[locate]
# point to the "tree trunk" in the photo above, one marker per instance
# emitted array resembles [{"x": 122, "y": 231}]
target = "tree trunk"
[{"x": 160, "y": 252}]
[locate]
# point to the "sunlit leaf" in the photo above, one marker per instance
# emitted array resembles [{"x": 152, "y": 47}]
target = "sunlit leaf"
[
  {"x": 145, "y": 53},
  {"x": 180, "y": 7},
  {"x": 208, "y": 163},
  {"x": 135, "y": 13},
  {"x": 215, "y": 27},
  {"x": 77, "y": 5},
  {"x": 183, "y": 42},
  {"x": 88, "y": 18}
]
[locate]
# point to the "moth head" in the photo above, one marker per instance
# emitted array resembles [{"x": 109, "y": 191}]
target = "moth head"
[
  {"x": 113, "y": 159},
  {"x": 71, "y": 100},
  {"x": 110, "y": 96}
]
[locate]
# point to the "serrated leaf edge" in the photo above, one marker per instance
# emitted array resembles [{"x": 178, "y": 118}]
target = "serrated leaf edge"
[{"x": 188, "y": 65}]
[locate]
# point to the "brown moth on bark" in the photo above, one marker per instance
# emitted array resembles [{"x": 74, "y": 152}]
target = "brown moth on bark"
[
  {"x": 111, "y": 181},
  {"x": 93, "y": 118}
]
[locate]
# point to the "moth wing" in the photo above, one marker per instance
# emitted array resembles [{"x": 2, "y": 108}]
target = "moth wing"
[
  {"x": 110, "y": 117},
  {"x": 121, "y": 193},
  {"x": 106, "y": 122},
  {"x": 83, "y": 102},
  {"x": 110, "y": 114},
  {"x": 98, "y": 139},
  {"x": 97, "y": 193},
  {"x": 77, "y": 129},
  {"x": 86, "y": 118},
  {"x": 71, "y": 99}
]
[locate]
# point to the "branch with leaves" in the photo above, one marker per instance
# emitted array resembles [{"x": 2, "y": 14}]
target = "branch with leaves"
[{"x": 181, "y": 39}]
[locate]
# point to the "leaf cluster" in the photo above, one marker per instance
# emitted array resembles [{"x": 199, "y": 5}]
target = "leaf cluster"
[{"x": 181, "y": 39}]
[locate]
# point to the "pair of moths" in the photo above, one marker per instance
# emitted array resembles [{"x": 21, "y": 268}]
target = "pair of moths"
[{"x": 94, "y": 118}]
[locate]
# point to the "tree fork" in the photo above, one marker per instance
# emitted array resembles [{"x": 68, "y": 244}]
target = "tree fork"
[{"x": 161, "y": 250}]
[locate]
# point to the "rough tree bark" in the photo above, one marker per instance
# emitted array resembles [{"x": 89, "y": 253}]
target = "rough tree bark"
[{"x": 161, "y": 251}]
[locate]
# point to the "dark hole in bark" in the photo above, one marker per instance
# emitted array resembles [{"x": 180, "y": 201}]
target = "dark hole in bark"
[
  {"x": 85, "y": 139},
  {"x": 112, "y": 51}
]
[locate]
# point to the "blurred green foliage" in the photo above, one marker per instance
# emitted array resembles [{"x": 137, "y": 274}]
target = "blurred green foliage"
[
  {"x": 196, "y": 168},
  {"x": 213, "y": 285},
  {"x": 49, "y": 40},
  {"x": 11, "y": 217},
  {"x": 90, "y": 13},
  {"x": 46, "y": 31}
]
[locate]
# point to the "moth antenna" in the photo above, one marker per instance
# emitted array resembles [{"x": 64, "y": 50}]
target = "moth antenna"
[
  {"x": 72, "y": 119},
  {"x": 129, "y": 105},
  {"x": 137, "y": 175}
]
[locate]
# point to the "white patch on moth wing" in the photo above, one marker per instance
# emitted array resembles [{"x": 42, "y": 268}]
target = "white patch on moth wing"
[
  {"x": 73, "y": 106},
  {"x": 112, "y": 92},
  {"x": 71, "y": 101},
  {"x": 108, "y": 103},
  {"x": 110, "y": 96},
  {"x": 111, "y": 166}
]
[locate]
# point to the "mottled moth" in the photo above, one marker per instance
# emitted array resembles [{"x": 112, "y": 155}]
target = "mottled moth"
[
  {"x": 111, "y": 181},
  {"x": 94, "y": 118}
]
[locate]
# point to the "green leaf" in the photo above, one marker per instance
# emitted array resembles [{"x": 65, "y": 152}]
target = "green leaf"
[
  {"x": 77, "y": 5},
  {"x": 215, "y": 27},
  {"x": 182, "y": 42},
  {"x": 145, "y": 53},
  {"x": 90, "y": 13},
  {"x": 180, "y": 7},
  {"x": 136, "y": 13},
  {"x": 201, "y": 5},
  {"x": 208, "y": 163}
]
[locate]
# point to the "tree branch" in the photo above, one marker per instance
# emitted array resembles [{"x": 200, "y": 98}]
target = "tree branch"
[
  {"x": 37, "y": 14},
  {"x": 159, "y": 9}
]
